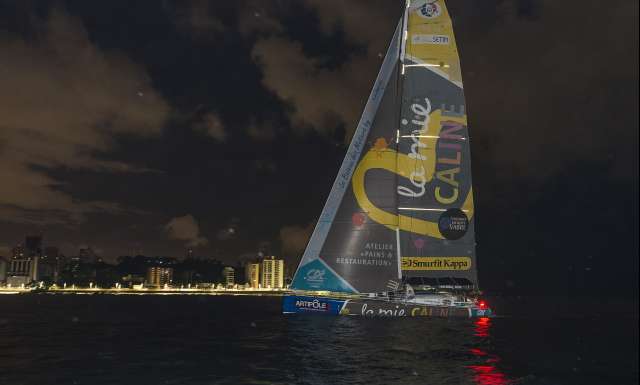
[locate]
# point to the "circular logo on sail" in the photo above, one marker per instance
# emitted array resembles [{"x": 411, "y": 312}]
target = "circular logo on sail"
[
  {"x": 453, "y": 224},
  {"x": 430, "y": 10}
]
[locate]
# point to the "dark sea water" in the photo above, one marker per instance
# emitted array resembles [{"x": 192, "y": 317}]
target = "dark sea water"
[{"x": 107, "y": 339}]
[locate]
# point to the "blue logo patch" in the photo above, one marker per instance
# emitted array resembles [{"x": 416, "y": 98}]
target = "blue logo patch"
[
  {"x": 314, "y": 305},
  {"x": 316, "y": 275}
]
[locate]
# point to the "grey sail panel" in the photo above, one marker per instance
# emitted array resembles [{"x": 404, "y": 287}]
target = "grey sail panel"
[
  {"x": 336, "y": 258},
  {"x": 359, "y": 249}
]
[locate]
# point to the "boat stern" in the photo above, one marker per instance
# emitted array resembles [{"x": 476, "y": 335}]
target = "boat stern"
[{"x": 481, "y": 309}]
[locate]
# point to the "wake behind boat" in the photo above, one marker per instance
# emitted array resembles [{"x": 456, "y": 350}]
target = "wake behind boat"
[{"x": 396, "y": 235}]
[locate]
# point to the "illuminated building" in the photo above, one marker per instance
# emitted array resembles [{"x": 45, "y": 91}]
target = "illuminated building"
[
  {"x": 22, "y": 271},
  {"x": 228, "y": 273},
  {"x": 23, "y": 267},
  {"x": 272, "y": 273},
  {"x": 252, "y": 274},
  {"x": 159, "y": 276}
]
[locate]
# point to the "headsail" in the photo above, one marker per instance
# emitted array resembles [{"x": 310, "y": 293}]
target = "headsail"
[{"x": 402, "y": 203}]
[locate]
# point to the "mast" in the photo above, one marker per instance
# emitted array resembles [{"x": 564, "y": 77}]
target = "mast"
[{"x": 403, "y": 43}]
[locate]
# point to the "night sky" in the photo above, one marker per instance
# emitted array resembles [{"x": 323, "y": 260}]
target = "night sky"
[{"x": 155, "y": 126}]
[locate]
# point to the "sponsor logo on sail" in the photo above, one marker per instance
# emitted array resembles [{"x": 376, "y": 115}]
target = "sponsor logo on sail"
[
  {"x": 432, "y": 168},
  {"x": 315, "y": 277},
  {"x": 436, "y": 263},
  {"x": 417, "y": 177},
  {"x": 430, "y": 39},
  {"x": 430, "y": 9},
  {"x": 453, "y": 224},
  {"x": 315, "y": 305}
]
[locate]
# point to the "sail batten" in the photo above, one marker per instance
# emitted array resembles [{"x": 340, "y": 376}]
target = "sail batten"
[{"x": 402, "y": 204}]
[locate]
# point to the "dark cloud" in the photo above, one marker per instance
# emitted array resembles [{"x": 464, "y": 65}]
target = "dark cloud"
[
  {"x": 321, "y": 97},
  {"x": 211, "y": 125},
  {"x": 229, "y": 231},
  {"x": 185, "y": 228},
  {"x": 263, "y": 131},
  {"x": 62, "y": 99},
  {"x": 552, "y": 91},
  {"x": 538, "y": 75},
  {"x": 259, "y": 17},
  {"x": 195, "y": 18},
  {"x": 294, "y": 239}
]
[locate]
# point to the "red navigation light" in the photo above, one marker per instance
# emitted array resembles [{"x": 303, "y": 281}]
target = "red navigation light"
[{"x": 482, "y": 305}]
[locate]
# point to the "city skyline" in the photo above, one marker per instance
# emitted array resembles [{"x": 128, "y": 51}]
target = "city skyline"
[
  {"x": 77, "y": 251},
  {"x": 33, "y": 264}
]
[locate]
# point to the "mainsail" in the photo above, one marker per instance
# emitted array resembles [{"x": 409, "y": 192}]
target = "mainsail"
[{"x": 402, "y": 204}]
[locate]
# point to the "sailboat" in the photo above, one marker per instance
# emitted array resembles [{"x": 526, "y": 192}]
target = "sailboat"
[{"x": 396, "y": 235}]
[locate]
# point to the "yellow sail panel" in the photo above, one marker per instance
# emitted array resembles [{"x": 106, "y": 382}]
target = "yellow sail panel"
[{"x": 430, "y": 40}]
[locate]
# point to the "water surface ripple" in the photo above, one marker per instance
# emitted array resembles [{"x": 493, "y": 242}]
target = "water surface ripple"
[{"x": 107, "y": 339}]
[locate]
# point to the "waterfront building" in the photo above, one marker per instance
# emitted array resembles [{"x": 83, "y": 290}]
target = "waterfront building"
[
  {"x": 228, "y": 273},
  {"x": 33, "y": 245},
  {"x": 50, "y": 265},
  {"x": 18, "y": 251},
  {"x": 3, "y": 269},
  {"x": 159, "y": 276},
  {"x": 131, "y": 280},
  {"x": 22, "y": 268},
  {"x": 87, "y": 255},
  {"x": 51, "y": 252},
  {"x": 22, "y": 271},
  {"x": 272, "y": 273},
  {"x": 252, "y": 274}
]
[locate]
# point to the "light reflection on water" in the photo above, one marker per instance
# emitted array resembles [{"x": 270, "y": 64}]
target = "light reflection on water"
[
  {"x": 487, "y": 373},
  {"x": 385, "y": 351}
]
